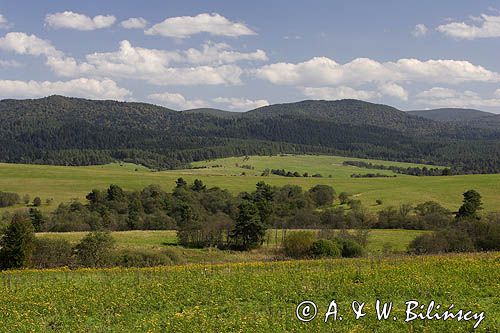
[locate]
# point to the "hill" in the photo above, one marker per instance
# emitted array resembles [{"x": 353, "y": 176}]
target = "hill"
[
  {"x": 72, "y": 131},
  {"x": 214, "y": 112},
  {"x": 452, "y": 114}
]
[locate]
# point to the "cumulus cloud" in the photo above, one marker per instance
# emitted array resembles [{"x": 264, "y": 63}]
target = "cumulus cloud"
[
  {"x": 82, "y": 87},
  {"x": 393, "y": 90},
  {"x": 420, "y": 30},
  {"x": 151, "y": 65},
  {"x": 186, "y": 26},
  {"x": 240, "y": 104},
  {"x": 321, "y": 71},
  {"x": 134, "y": 23},
  {"x": 71, "y": 20},
  {"x": 177, "y": 101},
  {"x": 341, "y": 92},
  {"x": 445, "y": 97},
  {"x": 21, "y": 43},
  {"x": 489, "y": 27},
  {"x": 221, "y": 53}
]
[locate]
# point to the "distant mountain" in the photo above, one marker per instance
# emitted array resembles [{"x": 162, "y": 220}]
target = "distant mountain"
[
  {"x": 451, "y": 114},
  {"x": 73, "y": 131},
  {"x": 214, "y": 112}
]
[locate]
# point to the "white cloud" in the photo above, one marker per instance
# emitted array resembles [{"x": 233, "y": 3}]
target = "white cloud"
[
  {"x": 497, "y": 93},
  {"x": 445, "y": 97},
  {"x": 489, "y": 28},
  {"x": 393, "y": 90},
  {"x": 82, "y": 87},
  {"x": 341, "y": 92},
  {"x": 71, "y": 20},
  {"x": 240, "y": 104},
  {"x": 134, "y": 23},
  {"x": 221, "y": 53},
  {"x": 420, "y": 30},
  {"x": 321, "y": 71},
  {"x": 177, "y": 101},
  {"x": 186, "y": 26},
  {"x": 21, "y": 43},
  {"x": 4, "y": 24}
]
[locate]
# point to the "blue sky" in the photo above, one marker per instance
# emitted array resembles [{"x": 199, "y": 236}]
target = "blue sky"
[{"x": 238, "y": 55}]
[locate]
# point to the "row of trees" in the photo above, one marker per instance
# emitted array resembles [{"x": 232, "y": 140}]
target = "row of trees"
[{"x": 413, "y": 171}]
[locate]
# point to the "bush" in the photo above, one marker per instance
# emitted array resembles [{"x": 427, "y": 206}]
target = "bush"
[
  {"x": 349, "y": 248},
  {"x": 446, "y": 240},
  {"x": 37, "y": 202},
  {"x": 141, "y": 259},
  {"x": 94, "y": 250},
  {"x": 9, "y": 199},
  {"x": 322, "y": 195},
  {"x": 298, "y": 244},
  {"x": 51, "y": 253},
  {"x": 325, "y": 248}
]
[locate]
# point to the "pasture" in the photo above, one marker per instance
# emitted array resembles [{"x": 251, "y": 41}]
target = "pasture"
[{"x": 65, "y": 183}]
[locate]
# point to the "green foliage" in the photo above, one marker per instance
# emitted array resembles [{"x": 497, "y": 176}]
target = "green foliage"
[
  {"x": 37, "y": 202},
  {"x": 471, "y": 204},
  {"x": 298, "y": 244},
  {"x": 94, "y": 250},
  {"x": 51, "y": 253},
  {"x": 16, "y": 244},
  {"x": 325, "y": 248},
  {"x": 322, "y": 195},
  {"x": 349, "y": 247},
  {"x": 249, "y": 230},
  {"x": 9, "y": 199}
]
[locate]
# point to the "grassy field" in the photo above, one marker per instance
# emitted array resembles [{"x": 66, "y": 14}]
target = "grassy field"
[
  {"x": 66, "y": 183},
  {"x": 395, "y": 240},
  {"x": 252, "y": 297}
]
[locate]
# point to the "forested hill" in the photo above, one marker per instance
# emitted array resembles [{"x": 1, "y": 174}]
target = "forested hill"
[
  {"x": 451, "y": 114},
  {"x": 71, "y": 131}
]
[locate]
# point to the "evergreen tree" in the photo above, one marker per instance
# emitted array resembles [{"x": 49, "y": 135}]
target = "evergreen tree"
[
  {"x": 471, "y": 204},
  {"x": 16, "y": 245},
  {"x": 249, "y": 230}
]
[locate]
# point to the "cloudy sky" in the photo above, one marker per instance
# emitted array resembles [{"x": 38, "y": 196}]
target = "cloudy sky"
[{"x": 239, "y": 55}]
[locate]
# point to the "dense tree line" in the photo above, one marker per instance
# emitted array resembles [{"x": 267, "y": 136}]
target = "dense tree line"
[
  {"x": 413, "y": 171},
  {"x": 70, "y": 131}
]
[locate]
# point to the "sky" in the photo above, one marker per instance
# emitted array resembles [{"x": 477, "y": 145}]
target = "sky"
[{"x": 240, "y": 55}]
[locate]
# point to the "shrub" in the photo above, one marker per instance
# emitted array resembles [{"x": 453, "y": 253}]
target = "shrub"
[
  {"x": 322, "y": 195},
  {"x": 446, "y": 240},
  {"x": 9, "y": 199},
  {"x": 94, "y": 250},
  {"x": 349, "y": 248},
  {"x": 325, "y": 248},
  {"x": 141, "y": 259},
  {"x": 298, "y": 244},
  {"x": 37, "y": 202},
  {"x": 51, "y": 253}
]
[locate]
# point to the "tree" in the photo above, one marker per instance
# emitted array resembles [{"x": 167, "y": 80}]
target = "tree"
[
  {"x": 263, "y": 199},
  {"x": 16, "y": 245},
  {"x": 180, "y": 182},
  {"x": 198, "y": 186},
  {"x": 471, "y": 204},
  {"x": 115, "y": 193},
  {"x": 322, "y": 195},
  {"x": 37, "y": 202},
  {"x": 36, "y": 219},
  {"x": 249, "y": 230}
]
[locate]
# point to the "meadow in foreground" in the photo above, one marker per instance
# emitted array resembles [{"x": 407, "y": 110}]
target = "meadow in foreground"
[{"x": 252, "y": 297}]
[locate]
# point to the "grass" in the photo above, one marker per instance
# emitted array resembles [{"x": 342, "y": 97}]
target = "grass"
[
  {"x": 251, "y": 297},
  {"x": 64, "y": 184}
]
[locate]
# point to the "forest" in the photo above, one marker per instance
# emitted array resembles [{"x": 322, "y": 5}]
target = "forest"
[{"x": 70, "y": 131}]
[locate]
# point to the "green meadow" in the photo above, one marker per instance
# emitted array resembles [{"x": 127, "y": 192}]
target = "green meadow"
[
  {"x": 254, "y": 297},
  {"x": 65, "y": 183}
]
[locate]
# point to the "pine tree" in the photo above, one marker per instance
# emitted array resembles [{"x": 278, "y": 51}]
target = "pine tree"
[
  {"x": 16, "y": 245},
  {"x": 249, "y": 230}
]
